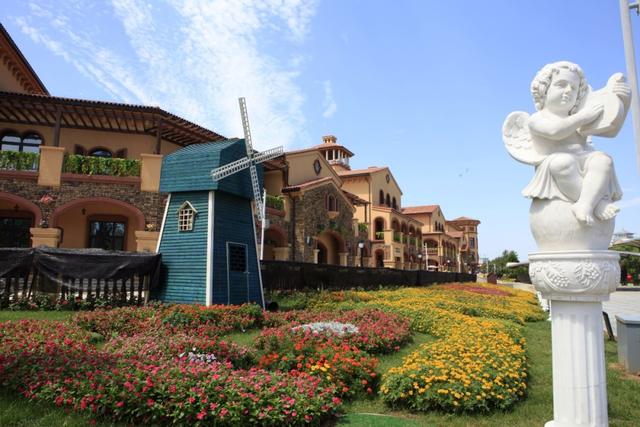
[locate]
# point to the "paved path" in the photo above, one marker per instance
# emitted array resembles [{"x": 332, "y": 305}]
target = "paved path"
[{"x": 620, "y": 302}]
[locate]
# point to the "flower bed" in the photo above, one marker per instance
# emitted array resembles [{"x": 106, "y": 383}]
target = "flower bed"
[
  {"x": 209, "y": 321},
  {"x": 174, "y": 364},
  {"x": 478, "y": 362},
  {"x": 53, "y": 361},
  {"x": 342, "y": 359},
  {"x": 379, "y": 332}
]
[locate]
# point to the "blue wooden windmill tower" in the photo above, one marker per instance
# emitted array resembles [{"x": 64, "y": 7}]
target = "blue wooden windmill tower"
[{"x": 208, "y": 236}]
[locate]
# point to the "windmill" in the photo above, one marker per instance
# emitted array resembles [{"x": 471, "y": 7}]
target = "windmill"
[
  {"x": 208, "y": 234},
  {"x": 249, "y": 162}
]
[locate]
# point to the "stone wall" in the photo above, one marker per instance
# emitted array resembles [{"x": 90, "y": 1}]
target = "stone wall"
[
  {"x": 150, "y": 204},
  {"x": 312, "y": 219}
]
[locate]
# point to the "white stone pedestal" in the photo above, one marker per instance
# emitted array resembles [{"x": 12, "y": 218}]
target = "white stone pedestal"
[
  {"x": 576, "y": 283},
  {"x": 579, "y": 379}
]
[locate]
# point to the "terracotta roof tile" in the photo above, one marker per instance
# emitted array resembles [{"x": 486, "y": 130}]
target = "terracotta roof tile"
[
  {"x": 366, "y": 171},
  {"x": 306, "y": 184},
  {"x": 464, "y": 218},
  {"x": 420, "y": 209}
]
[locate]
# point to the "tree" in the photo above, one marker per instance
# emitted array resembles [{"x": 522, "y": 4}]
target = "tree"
[
  {"x": 500, "y": 263},
  {"x": 629, "y": 264}
]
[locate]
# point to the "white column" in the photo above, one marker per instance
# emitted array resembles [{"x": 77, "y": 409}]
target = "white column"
[
  {"x": 576, "y": 283},
  {"x": 579, "y": 376}
]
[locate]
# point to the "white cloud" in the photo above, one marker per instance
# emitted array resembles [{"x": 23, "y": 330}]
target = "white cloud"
[
  {"x": 192, "y": 57},
  {"x": 329, "y": 104}
]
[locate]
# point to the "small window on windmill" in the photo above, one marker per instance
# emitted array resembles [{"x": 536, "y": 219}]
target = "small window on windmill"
[
  {"x": 186, "y": 215},
  {"x": 237, "y": 257}
]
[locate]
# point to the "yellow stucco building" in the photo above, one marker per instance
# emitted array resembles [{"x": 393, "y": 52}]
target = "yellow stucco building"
[{"x": 77, "y": 173}]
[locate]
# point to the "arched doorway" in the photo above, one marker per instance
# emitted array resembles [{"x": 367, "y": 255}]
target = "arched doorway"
[
  {"x": 322, "y": 254},
  {"x": 17, "y": 216},
  {"x": 379, "y": 256},
  {"x": 98, "y": 222},
  {"x": 330, "y": 244}
]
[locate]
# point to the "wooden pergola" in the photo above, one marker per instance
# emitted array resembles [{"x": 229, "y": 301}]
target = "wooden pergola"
[{"x": 69, "y": 113}]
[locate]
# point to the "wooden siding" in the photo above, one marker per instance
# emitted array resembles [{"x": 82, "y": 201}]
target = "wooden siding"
[
  {"x": 189, "y": 169},
  {"x": 184, "y": 254},
  {"x": 233, "y": 223}
]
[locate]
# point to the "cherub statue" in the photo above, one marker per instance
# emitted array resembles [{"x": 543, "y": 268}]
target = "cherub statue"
[{"x": 557, "y": 140}]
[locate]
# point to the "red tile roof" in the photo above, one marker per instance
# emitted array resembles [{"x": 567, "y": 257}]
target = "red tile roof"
[
  {"x": 367, "y": 171},
  {"x": 420, "y": 209},
  {"x": 464, "y": 218},
  {"x": 306, "y": 184}
]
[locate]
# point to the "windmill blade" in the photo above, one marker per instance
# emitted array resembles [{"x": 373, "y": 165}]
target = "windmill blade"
[
  {"x": 230, "y": 169},
  {"x": 245, "y": 127},
  {"x": 268, "y": 154},
  {"x": 257, "y": 194}
]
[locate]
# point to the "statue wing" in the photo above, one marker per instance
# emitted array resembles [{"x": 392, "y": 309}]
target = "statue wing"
[{"x": 517, "y": 139}]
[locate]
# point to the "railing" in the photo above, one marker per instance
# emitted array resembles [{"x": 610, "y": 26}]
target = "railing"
[
  {"x": 18, "y": 161},
  {"x": 46, "y": 277},
  {"x": 275, "y": 202},
  {"x": 397, "y": 236},
  {"x": 292, "y": 276},
  {"x": 412, "y": 241},
  {"x": 379, "y": 235},
  {"x": 92, "y": 165},
  {"x": 432, "y": 251}
]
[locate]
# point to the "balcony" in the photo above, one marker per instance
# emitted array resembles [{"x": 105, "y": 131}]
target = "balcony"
[
  {"x": 90, "y": 165},
  {"x": 19, "y": 161},
  {"x": 343, "y": 161},
  {"x": 51, "y": 167},
  {"x": 275, "y": 202}
]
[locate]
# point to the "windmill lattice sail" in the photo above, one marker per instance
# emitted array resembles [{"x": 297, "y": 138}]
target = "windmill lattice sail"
[{"x": 248, "y": 162}]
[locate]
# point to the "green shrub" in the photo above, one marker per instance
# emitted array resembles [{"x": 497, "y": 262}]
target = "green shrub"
[
  {"x": 90, "y": 165},
  {"x": 275, "y": 202},
  {"x": 14, "y": 160}
]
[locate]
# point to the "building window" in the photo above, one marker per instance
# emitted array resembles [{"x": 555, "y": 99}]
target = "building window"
[
  {"x": 394, "y": 205},
  {"x": 388, "y": 200},
  {"x": 29, "y": 143},
  {"x": 14, "y": 232},
  {"x": 101, "y": 152},
  {"x": 331, "y": 203},
  {"x": 186, "y": 216},
  {"x": 472, "y": 242},
  {"x": 107, "y": 235},
  {"x": 381, "y": 197},
  {"x": 237, "y": 257}
]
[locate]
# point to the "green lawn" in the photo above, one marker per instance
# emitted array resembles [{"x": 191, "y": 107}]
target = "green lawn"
[
  {"x": 44, "y": 315},
  {"x": 624, "y": 392}
]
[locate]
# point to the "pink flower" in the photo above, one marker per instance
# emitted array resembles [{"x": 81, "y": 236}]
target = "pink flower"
[
  {"x": 202, "y": 414},
  {"x": 120, "y": 404}
]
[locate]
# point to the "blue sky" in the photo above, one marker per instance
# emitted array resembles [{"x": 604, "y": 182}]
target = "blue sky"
[{"x": 420, "y": 86}]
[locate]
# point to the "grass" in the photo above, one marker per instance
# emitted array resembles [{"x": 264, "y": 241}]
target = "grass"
[
  {"x": 42, "y": 315},
  {"x": 623, "y": 391},
  {"x": 536, "y": 409}
]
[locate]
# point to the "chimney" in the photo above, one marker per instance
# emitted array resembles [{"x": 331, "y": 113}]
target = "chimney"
[{"x": 329, "y": 139}]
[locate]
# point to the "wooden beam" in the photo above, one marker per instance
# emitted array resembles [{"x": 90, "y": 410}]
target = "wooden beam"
[
  {"x": 56, "y": 128},
  {"x": 158, "y": 137}
]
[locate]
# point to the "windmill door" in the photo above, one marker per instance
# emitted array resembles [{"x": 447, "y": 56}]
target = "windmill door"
[{"x": 237, "y": 273}]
